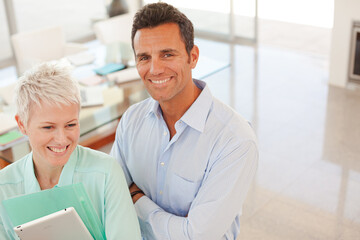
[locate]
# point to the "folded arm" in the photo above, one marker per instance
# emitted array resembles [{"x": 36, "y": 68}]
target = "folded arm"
[{"x": 216, "y": 205}]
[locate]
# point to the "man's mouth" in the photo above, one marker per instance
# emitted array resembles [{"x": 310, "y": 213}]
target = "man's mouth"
[{"x": 160, "y": 81}]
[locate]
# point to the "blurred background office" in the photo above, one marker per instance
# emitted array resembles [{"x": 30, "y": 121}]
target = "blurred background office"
[{"x": 292, "y": 68}]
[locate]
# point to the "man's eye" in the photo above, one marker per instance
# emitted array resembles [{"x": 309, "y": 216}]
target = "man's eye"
[
  {"x": 72, "y": 125},
  {"x": 168, "y": 55},
  {"x": 47, "y": 127},
  {"x": 144, "y": 58}
]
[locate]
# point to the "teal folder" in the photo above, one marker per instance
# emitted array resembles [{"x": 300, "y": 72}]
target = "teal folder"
[
  {"x": 25, "y": 208},
  {"x": 109, "y": 68}
]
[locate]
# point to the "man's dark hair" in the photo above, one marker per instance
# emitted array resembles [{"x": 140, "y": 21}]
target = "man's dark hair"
[{"x": 155, "y": 14}]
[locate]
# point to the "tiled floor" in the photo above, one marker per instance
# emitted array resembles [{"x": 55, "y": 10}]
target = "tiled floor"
[{"x": 308, "y": 182}]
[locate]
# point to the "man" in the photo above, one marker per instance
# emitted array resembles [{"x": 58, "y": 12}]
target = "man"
[{"x": 188, "y": 158}]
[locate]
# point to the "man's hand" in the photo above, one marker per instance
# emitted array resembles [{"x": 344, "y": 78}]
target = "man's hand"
[{"x": 135, "y": 192}]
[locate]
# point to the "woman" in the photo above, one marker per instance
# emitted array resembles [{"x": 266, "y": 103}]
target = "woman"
[{"x": 48, "y": 105}]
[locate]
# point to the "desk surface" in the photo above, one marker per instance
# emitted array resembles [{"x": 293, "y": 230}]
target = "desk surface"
[
  {"x": 118, "y": 95},
  {"x": 116, "y": 100}
]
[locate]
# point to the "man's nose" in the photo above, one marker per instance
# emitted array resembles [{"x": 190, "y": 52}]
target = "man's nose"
[{"x": 156, "y": 67}]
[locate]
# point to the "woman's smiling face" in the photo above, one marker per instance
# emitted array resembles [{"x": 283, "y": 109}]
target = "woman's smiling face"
[{"x": 53, "y": 132}]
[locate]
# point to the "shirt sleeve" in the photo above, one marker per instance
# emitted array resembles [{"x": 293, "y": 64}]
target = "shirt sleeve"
[
  {"x": 121, "y": 221},
  {"x": 118, "y": 154},
  {"x": 6, "y": 231},
  {"x": 3, "y": 234},
  {"x": 217, "y": 203}
]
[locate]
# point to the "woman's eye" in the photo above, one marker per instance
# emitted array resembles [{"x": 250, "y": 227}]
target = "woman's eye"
[
  {"x": 47, "y": 127},
  {"x": 72, "y": 125}
]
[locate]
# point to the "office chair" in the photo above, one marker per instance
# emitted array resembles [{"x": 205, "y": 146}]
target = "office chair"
[
  {"x": 115, "y": 32},
  {"x": 114, "y": 29},
  {"x": 41, "y": 45}
]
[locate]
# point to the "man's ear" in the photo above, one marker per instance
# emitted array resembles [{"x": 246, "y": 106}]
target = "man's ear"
[
  {"x": 20, "y": 124},
  {"x": 194, "y": 56}
]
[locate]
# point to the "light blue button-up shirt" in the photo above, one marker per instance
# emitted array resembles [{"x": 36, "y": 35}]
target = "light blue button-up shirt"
[
  {"x": 103, "y": 180},
  {"x": 195, "y": 183}
]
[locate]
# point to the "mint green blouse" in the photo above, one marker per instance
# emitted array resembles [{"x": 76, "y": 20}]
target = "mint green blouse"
[{"x": 102, "y": 178}]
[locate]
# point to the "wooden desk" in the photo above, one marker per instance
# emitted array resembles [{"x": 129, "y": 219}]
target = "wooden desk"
[{"x": 3, "y": 162}]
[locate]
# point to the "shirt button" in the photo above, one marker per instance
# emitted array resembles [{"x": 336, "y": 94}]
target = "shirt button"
[
  {"x": 161, "y": 192},
  {"x": 162, "y": 163},
  {"x": 165, "y": 133}
]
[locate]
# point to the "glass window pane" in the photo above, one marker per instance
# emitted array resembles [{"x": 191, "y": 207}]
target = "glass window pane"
[
  {"x": 308, "y": 12},
  {"x": 5, "y": 47},
  {"x": 149, "y": 1},
  {"x": 244, "y": 18},
  {"x": 75, "y": 16},
  {"x": 206, "y": 15}
]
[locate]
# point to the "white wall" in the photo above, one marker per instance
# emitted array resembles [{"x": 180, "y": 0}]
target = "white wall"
[
  {"x": 133, "y": 5},
  {"x": 345, "y": 12}
]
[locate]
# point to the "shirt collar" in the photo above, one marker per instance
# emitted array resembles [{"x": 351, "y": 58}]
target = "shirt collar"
[
  {"x": 198, "y": 112},
  {"x": 31, "y": 184},
  {"x": 66, "y": 177},
  {"x": 155, "y": 109}
]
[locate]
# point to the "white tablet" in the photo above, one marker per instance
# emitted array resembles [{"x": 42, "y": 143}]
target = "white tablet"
[{"x": 64, "y": 224}]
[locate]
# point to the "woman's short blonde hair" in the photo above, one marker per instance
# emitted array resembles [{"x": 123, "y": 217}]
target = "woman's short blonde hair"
[{"x": 49, "y": 82}]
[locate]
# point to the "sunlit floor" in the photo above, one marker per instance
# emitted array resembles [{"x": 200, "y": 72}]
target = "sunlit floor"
[{"x": 308, "y": 182}]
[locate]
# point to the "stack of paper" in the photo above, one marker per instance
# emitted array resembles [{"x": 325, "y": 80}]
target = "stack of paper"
[
  {"x": 81, "y": 58},
  {"x": 92, "y": 80},
  {"x": 7, "y": 93},
  {"x": 126, "y": 75},
  {"x": 92, "y": 96},
  {"x": 7, "y": 122}
]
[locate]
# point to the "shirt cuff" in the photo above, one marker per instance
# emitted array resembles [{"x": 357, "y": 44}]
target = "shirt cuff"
[
  {"x": 144, "y": 207},
  {"x": 154, "y": 217},
  {"x": 177, "y": 227}
]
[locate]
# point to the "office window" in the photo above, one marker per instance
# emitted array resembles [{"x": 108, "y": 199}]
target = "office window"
[
  {"x": 5, "y": 47},
  {"x": 244, "y": 18},
  {"x": 318, "y": 13},
  {"x": 207, "y": 16},
  {"x": 149, "y": 1},
  {"x": 220, "y": 20},
  {"x": 76, "y": 16}
]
